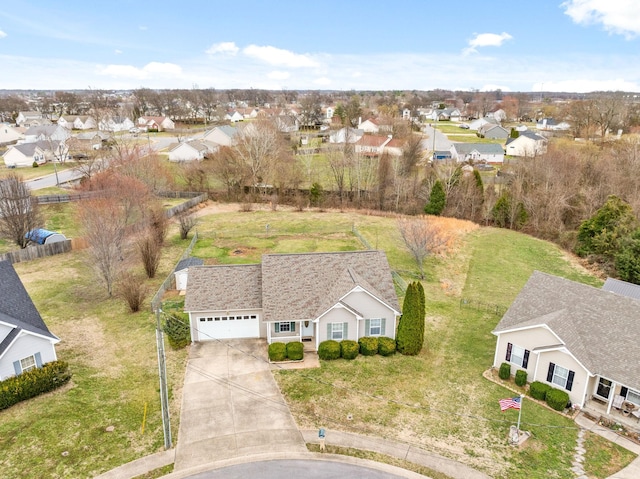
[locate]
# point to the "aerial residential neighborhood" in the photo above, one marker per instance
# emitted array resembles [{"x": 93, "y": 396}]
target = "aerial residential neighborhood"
[{"x": 333, "y": 240}]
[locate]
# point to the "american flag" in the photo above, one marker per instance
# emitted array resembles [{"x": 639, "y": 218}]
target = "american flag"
[{"x": 508, "y": 403}]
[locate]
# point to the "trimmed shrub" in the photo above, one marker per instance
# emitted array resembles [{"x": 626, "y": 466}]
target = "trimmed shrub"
[
  {"x": 33, "y": 383},
  {"x": 411, "y": 325},
  {"x": 521, "y": 377},
  {"x": 386, "y": 346},
  {"x": 504, "y": 372},
  {"x": 349, "y": 349},
  {"x": 277, "y": 352},
  {"x": 557, "y": 399},
  {"x": 369, "y": 345},
  {"x": 176, "y": 327},
  {"x": 295, "y": 351},
  {"x": 538, "y": 390},
  {"x": 329, "y": 350}
]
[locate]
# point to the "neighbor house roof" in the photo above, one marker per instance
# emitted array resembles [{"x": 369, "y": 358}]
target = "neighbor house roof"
[
  {"x": 16, "y": 307},
  {"x": 623, "y": 288},
  {"x": 188, "y": 262},
  {"x": 482, "y": 148},
  {"x": 600, "y": 328}
]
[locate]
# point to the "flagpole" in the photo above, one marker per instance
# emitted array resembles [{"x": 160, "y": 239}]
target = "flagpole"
[{"x": 519, "y": 416}]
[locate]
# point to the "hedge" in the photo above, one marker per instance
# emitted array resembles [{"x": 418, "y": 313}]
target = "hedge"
[
  {"x": 369, "y": 345},
  {"x": 277, "y": 352},
  {"x": 521, "y": 377},
  {"x": 505, "y": 371},
  {"x": 295, "y": 351},
  {"x": 386, "y": 346},
  {"x": 539, "y": 390},
  {"x": 176, "y": 327},
  {"x": 33, "y": 383},
  {"x": 329, "y": 350},
  {"x": 349, "y": 349},
  {"x": 557, "y": 399}
]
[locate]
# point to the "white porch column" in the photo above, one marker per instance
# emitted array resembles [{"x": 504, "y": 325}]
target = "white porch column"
[
  {"x": 268, "y": 333},
  {"x": 611, "y": 396}
]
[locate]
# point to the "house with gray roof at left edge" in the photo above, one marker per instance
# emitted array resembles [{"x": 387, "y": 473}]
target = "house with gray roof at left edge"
[
  {"x": 308, "y": 297},
  {"x": 25, "y": 341}
]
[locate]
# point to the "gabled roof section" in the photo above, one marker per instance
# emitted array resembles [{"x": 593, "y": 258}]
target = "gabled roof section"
[
  {"x": 16, "y": 306},
  {"x": 224, "y": 287},
  {"x": 601, "y": 329},
  {"x": 482, "y": 148},
  {"x": 188, "y": 262},
  {"x": 301, "y": 286},
  {"x": 622, "y": 288}
]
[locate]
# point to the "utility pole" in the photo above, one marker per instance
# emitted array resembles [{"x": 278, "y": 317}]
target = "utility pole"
[{"x": 164, "y": 394}]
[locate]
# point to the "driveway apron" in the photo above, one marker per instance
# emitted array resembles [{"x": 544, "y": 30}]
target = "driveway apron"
[{"x": 231, "y": 405}]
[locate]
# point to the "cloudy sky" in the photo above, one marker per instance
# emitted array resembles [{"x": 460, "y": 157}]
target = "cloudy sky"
[{"x": 548, "y": 45}]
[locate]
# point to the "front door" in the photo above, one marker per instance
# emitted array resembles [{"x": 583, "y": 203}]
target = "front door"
[
  {"x": 306, "y": 330},
  {"x": 604, "y": 388}
]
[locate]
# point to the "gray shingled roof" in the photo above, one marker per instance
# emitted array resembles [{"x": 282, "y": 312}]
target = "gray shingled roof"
[
  {"x": 303, "y": 286},
  {"x": 221, "y": 288},
  {"x": 600, "y": 328},
  {"x": 290, "y": 287},
  {"x": 623, "y": 288},
  {"x": 486, "y": 148},
  {"x": 16, "y": 307},
  {"x": 188, "y": 262}
]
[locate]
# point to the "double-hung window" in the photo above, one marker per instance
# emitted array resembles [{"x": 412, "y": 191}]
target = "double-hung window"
[
  {"x": 517, "y": 355},
  {"x": 286, "y": 327},
  {"x": 336, "y": 331},
  {"x": 560, "y": 376},
  {"x": 28, "y": 363}
]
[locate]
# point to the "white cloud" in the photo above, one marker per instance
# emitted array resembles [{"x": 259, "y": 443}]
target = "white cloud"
[
  {"x": 278, "y": 75},
  {"x": 619, "y": 16},
  {"x": 2, "y": 34},
  {"x": 486, "y": 40},
  {"x": 148, "y": 71},
  {"x": 117, "y": 52},
  {"x": 228, "y": 48},
  {"x": 323, "y": 81},
  {"x": 279, "y": 57}
]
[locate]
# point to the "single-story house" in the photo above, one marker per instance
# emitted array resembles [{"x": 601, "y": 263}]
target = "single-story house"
[
  {"x": 294, "y": 297},
  {"x": 77, "y": 122},
  {"x": 90, "y": 140},
  {"x": 25, "y": 341},
  {"x": 234, "y": 116},
  {"x": 181, "y": 271},
  {"x": 552, "y": 124},
  {"x": 476, "y": 124},
  {"x": 372, "y": 145},
  {"x": 115, "y": 123},
  {"x": 31, "y": 118},
  {"x": 574, "y": 337},
  {"x": 346, "y": 135},
  {"x": 370, "y": 125},
  {"x": 9, "y": 134},
  {"x": 25, "y": 154},
  {"x": 158, "y": 123},
  {"x": 224, "y": 135},
  {"x": 493, "y": 132},
  {"x": 46, "y": 132},
  {"x": 477, "y": 152},
  {"x": 528, "y": 144},
  {"x": 43, "y": 236},
  {"x": 188, "y": 151}
]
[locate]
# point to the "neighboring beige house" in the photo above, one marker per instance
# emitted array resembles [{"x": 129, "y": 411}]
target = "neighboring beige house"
[
  {"x": 221, "y": 135},
  {"x": 370, "y": 125},
  {"x": 528, "y": 144},
  {"x": 308, "y": 297},
  {"x": 77, "y": 122},
  {"x": 46, "y": 132},
  {"x": 234, "y": 116},
  {"x": 24, "y": 155},
  {"x": 493, "y": 132},
  {"x": 159, "y": 123},
  {"x": 575, "y": 337},
  {"x": 372, "y": 145},
  {"x": 477, "y": 153},
  {"x": 345, "y": 135},
  {"x": 31, "y": 118},
  {"x": 188, "y": 151},
  {"x": 115, "y": 124},
  {"x": 9, "y": 134}
]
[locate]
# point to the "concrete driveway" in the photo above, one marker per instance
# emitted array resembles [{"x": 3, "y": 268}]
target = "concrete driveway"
[{"x": 231, "y": 405}]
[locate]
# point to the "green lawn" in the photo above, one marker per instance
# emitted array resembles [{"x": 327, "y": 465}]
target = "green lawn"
[
  {"x": 31, "y": 173},
  {"x": 437, "y": 400}
]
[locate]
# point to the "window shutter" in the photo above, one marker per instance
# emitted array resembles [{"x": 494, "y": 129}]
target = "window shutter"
[
  {"x": 277, "y": 327},
  {"x": 550, "y": 372},
  {"x": 17, "y": 367},
  {"x": 367, "y": 327},
  {"x": 38, "y": 360},
  {"x": 293, "y": 326},
  {"x": 624, "y": 391},
  {"x": 525, "y": 360},
  {"x": 383, "y": 322},
  {"x": 509, "y": 346},
  {"x": 345, "y": 330},
  {"x": 570, "y": 380},
  {"x": 329, "y": 336}
]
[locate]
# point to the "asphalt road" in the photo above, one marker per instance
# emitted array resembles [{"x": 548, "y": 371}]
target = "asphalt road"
[{"x": 313, "y": 469}]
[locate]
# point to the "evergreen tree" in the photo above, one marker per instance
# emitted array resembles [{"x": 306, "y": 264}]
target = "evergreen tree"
[
  {"x": 411, "y": 326},
  {"x": 421, "y": 312},
  {"x": 437, "y": 200}
]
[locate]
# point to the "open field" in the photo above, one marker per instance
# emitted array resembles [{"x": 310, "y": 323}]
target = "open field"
[{"x": 438, "y": 400}]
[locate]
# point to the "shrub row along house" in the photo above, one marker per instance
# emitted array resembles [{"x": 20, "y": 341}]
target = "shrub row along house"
[
  {"x": 576, "y": 338},
  {"x": 294, "y": 297},
  {"x": 25, "y": 340}
]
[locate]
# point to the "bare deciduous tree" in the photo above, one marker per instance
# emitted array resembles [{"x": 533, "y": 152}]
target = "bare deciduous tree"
[
  {"x": 19, "y": 212},
  {"x": 422, "y": 237},
  {"x": 187, "y": 222},
  {"x": 149, "y": 249},
  {"x": 133, "y": 290}
]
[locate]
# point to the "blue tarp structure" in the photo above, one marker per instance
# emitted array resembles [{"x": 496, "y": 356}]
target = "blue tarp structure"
[{"x": 39, "y": 235}]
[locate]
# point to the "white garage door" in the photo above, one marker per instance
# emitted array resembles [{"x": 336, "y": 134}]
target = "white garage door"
[{"x": 228, "y": 327}]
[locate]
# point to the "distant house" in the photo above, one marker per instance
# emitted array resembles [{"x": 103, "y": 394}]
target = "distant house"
[
  {"x": 444, "y": 114},
  {"x": 493, "y": 132},
  {"x": 234, "y": 116},
  {"x": 477, "y": 153},
  {"x": 476, "y": 124},
  {"x": 499, "y": 115},
  {"x": 294, "y": 297},
  {"x": 88, "y": 140},
  {"x": 181, "y": 271},
  {"x": 157, "y": 123},
  {"x": 287, "y": 123},
  {"x": 77, "y": 122},
  {"x": 224, "y": 135},
  {"x": 345, "y": 135},
  {"x": 549, "y": 124},
  {"x": 528, "y": 144},
  {"x": 115, "y": 124},
  {"x": 394, "y": 147},
  {"x": 46, "y": 132},
  {"x": 25, "y": 341},
  {"x": 31, "y": 118},
  {"x": 24, "y": 155},
  {"x": 371, "y": 145},
  {"x": 43, "y": 236},
  {"x": 188, "y": 151},
  {"x": 9, "y": 134},
  {"x": 370, "y": 125}
]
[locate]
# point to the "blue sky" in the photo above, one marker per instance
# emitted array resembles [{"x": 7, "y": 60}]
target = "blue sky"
[{"x": 550, "y": 45}]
